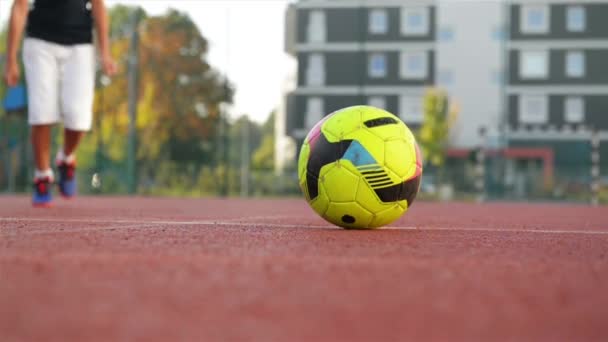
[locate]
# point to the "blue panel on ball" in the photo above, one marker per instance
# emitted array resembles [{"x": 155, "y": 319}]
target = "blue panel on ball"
[{"x": 358, "y": 155}]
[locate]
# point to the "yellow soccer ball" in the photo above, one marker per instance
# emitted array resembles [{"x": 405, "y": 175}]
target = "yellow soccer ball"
[{"x": 360, "y": 168}]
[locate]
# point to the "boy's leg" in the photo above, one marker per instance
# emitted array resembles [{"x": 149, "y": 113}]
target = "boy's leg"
[
  {"x": 43, "y": 176},
  {"x": 41, "y": 144},
  {"x": 77, "y": 91},
  {"x": 42, "y": 75},
  {"x": 71, "y": 139},
  {"x": 66, "y": 162}
]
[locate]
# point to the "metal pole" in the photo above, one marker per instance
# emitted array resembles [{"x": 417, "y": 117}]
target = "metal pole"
[
  {"x": 363, "y": 55},
  {"x": 133, "y": 65},
  {"x": 225, "y": 156},
  {"x": 480, "y": 170},
  {"x": 595, "y": 167},
  {"x": 222, "y": 151},
  {"x": 503, "y": 121},
  {"x": 98, "y": 128},
  {"x": 245, "y": 159},
  {"x": 10, "y": 175},
  {"x": 28, "y": 154},
  {"x": 224, "y": 114}
]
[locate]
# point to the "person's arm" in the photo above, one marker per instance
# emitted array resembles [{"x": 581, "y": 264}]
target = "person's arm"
[
  {"x": 15, "y": 32},
  {"x": 100, "y": 16}
]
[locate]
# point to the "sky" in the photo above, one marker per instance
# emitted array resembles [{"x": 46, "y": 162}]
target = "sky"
[{"x": 246, "y": 42}]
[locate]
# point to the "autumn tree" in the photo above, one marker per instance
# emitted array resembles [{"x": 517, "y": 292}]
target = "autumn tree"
[
  {"x": 180, "y": 94},
  {"x": 178, "y": 106},
  {"x": 434, "y": 133}
]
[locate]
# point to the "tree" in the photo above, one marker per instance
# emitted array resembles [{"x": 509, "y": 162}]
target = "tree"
[
  {"x": 178, "y": 107},
  {"x": 14, "y": 145},
  {"x": 179, "y": 93},
  {"x": 3, "y": 36},
  {"x": 434, "y": 132},
  {"x": 263, "y": 157}
]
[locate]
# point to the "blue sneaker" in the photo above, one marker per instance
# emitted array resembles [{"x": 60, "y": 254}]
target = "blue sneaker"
[
  {"x": 42, "y": 196},
  {"x": 67, "y": 179}
]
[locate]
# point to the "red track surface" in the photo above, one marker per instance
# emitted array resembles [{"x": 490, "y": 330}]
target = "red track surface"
[{"x": 270, "y": 270}]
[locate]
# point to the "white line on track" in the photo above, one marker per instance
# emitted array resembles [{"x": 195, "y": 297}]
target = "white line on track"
[
  {"x": 90, "y": 229},
  {"x": 483, "y": 229},
  {"x": 119, "y": 221},
  {"x": 241, "y": 222}
]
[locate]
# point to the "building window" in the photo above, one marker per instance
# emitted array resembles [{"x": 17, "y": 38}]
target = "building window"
[
  {"x": 377, "y": 101},
  {"x": 575, "y": 64},
  {"x": 410, "y": 109},
  {"x": 533, "y": 109},
  {"x": 316, "y": 27},
  {"x": 377, "y": 65},
  {"x": 378, "y": 21},
  {"x": 314, "y": 111},
  {"x": 315, "y": 74},
  {"x": 533, "y": 64},
  {"x": 574, "y": 109},
  {"x": 534, "y": 19},
  {"x": 415, "y": 20},
  {"x": 576, "y": 19},
  {"x": 446, "y": 34},
  {"x": 414, "y": 65}
]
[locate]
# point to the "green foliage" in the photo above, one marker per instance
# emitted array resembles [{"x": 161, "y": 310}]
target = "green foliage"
[
  {"x": 3, "y": 47},
  {"x": 180, "y": 94},
  {"x": 3, "y": 38},
  {"x": 433, "y": 136},
  {"x": 434, "y": 133},
  {"x": 263, "y": 157},
  {"x": 121, "y": 19},
  {"x": 179, "y": 115},
  {"x": 268, "y": 126}
]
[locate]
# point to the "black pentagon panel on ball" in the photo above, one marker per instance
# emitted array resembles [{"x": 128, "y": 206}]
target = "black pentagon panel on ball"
[
  {"x": 406, "y": 190},
  {"x": 410, "y": 189},
  {"x": 322, "y": 152},
  {"x": 348, "y": 219},
  {"x": 380, "y": 122}
]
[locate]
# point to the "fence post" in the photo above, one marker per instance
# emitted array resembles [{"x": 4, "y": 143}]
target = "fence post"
[
  {"x": 595, "y": 167},
  {"x": 245, "y": 158},
  {"x": 480, "y": 167},
  {"x": 133, "y": 97}
]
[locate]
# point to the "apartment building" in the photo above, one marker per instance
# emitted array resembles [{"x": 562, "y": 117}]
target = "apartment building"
[
  {"x": 527, "y": 73},
  {"x": 361, "y": 52},
  {"x": 557, "y": 92}
]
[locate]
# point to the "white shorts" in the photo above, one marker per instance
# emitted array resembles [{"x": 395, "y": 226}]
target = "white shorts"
[{"x": 60, "y": 83}]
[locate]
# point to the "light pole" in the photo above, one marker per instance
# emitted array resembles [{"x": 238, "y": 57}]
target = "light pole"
[
  {"x": 224, "y": 113},
  {"x": 223, "y": 145},
  {"x": 103, "y": 82},
  {"x": 503, "y": 122},
  {"x": 245, "y": 159},
  {"x": 133, "y": 80}
]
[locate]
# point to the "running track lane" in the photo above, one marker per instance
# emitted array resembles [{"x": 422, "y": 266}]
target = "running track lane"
[{"x": 210, "y": 269}]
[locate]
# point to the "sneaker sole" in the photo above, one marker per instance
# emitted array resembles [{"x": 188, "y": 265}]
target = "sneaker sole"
[{"x": 42, "y": 205}]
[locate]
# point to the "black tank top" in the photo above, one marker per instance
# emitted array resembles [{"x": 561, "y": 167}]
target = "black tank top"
[{"x": 66, "y": 22}]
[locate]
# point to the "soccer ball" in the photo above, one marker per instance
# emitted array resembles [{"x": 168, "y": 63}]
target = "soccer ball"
[{"x": 360, "y": 167}]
